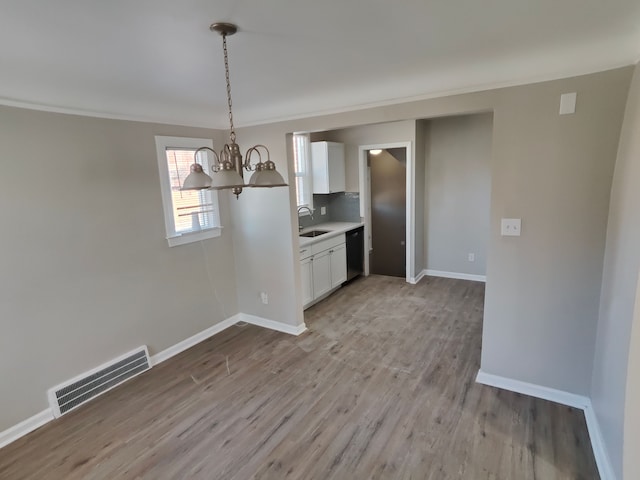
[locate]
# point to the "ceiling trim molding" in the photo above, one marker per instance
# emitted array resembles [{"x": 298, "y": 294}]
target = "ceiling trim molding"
[
  {"x": 445, "y": 93},
  {"x": 8, "y": 102},
  {"x": 319, "y": 113}
]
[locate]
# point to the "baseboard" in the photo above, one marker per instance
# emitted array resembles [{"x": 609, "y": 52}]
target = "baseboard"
[
  {"x": 417, "y": 278},
  {"x": 565, "y": 398},
  {"x": 26, "y": 426},
  {"x": 30, "y": 424},
  {"x": 597, "y": 444},
  {"x": 273, "y": 325},
  {"x": 533, "y": 390},
  {"x": 194, "y": 340},
  {"x": 459, "y": 276}
]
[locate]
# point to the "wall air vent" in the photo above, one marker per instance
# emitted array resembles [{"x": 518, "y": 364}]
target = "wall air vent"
[{"x": 73, "y": 393}]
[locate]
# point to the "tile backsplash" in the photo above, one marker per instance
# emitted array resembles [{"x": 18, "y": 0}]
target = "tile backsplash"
[{"x": 341, "y": 207}]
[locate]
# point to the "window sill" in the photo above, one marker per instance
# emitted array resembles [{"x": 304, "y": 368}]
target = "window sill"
[{"x": 191, "y": 237}]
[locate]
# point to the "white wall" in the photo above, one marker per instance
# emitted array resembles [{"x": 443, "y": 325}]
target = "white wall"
[
  {"x": 458, "y": 193},
  {"x": 621, "y": 265},
  {"x": 85, "y": 269}
]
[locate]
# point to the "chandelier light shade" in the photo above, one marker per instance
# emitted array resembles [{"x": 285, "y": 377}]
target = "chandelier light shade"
[
  {"x": 265, "y": 174},
  {"x": 197, "y": 179},
  {"x": 227, "y": 169},
  {"x": 225, "y": 179}
]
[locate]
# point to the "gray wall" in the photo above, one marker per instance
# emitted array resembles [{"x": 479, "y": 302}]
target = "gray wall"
[
  {"x": 353, "y": 137},
  {"x": 372, "y": 133},
  {"x": 108, "y": 292},
  {"x": 265, "y": 228},
  {"x": 632, "y": 413},
  {"x": 552, "y": 171},
  {"x": 420, "y": 213},
  {"x": 621, "y": 264},
  {"x": 86, "y": 271},
  {"x": 458, "y": 193}
]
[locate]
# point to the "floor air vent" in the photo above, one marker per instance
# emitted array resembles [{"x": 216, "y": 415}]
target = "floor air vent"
[{"x": 69, "y": 395}]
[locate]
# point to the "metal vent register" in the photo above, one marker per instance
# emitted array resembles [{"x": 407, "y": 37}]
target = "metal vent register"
[{"x": 65, "y": 397}]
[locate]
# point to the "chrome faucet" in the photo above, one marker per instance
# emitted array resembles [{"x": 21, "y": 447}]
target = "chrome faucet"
[{"x": 304, "y": 207}]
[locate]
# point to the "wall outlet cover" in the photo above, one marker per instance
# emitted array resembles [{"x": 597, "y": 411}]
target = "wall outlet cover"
[
  {"x": 323, "y": 210},
  {"x": 568, "y": 103},
  {"x": 510, "y": 227}
]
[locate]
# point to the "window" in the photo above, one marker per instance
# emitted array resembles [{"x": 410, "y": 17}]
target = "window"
[
  {"x": 190, "y": 215},
  {"x": 302, "y": 167}
]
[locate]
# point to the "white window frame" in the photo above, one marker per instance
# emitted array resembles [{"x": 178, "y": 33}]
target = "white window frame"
[
  {"x": 175, "y": 238},
  {"x": 306, "y": 175}
]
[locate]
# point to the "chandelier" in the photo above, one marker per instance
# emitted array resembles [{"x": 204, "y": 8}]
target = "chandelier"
[{"x": 228, "y": 167}]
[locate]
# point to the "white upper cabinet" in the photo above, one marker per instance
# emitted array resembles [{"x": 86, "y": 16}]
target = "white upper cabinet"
[{"x": 327, "y": 160}]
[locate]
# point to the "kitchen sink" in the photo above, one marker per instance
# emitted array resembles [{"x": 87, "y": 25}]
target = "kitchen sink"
[{"x": 314, "y": 233}]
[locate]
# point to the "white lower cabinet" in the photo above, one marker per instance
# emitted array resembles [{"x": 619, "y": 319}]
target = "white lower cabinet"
[
  {"x": 306, "y": 271},
  {"x": 338, "y": 265},
  {"x": 323, "y": 267}
]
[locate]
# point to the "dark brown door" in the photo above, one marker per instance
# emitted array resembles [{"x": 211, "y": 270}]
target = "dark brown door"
[{"x": 388, "y": 172}]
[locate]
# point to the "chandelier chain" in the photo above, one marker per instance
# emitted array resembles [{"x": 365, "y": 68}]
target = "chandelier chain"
[
  {"x": 232, "y": 133},
  {"x": 228, "y": 167}
]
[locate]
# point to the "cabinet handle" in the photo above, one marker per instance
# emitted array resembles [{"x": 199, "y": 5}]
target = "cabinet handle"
[
  {"x": 302, "y": 251},
  {"x": 330, "y": 251}
]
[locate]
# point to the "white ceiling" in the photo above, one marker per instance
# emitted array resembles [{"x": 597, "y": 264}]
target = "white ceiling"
[{"x": 157, "y": 60}]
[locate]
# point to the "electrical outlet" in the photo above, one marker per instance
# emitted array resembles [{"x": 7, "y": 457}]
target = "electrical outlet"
[
  {"x": 472, "y": 257},
  {"x": 264, "y": 297},
  {"x": 510, "y": 227},
  {"x": 323, "y": 210}
]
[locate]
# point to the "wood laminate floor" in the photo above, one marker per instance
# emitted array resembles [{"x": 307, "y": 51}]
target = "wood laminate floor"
[{"x": 380, "y": 387}]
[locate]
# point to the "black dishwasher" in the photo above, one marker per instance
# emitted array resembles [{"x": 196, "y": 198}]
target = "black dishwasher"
[{"x": 355, "y": 252}]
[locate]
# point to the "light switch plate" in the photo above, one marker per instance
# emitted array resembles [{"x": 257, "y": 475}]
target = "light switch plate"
[
  {"x": 510, "y": 227},
  {"x": 323, "y": 210}
]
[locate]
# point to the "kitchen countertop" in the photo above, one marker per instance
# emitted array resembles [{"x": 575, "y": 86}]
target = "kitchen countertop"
[{"x": 335, "y": 228}]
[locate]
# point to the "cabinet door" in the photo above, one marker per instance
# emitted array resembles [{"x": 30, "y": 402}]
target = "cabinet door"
[
  {"x": 338, "y": 265},
  {"x": 306, "y": 272},
  {"x": 320, "y": 167},
  {"x": 321, "y": 273},
  {"x": 327, "y": 162},
  {"x": 335, "y": 152}
]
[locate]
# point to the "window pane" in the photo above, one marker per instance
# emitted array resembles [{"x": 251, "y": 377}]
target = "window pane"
[
  {"x": 193, "y": 210},
  {"x": 299, "y": 153},
  {"x": 301, "y": 160},
  {"x": 300, "y": 191}
]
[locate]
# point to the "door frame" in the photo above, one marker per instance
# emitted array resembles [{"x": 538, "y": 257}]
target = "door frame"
[{"x": 365, "y": 202}]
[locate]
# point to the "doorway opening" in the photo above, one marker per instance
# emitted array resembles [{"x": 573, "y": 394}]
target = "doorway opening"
[
  {"x": 387, "y": 170},
  {"x": 386, "y": 205}
]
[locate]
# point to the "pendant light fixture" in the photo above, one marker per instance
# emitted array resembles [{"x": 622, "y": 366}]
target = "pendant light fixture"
[{"x": 227, "y": 170}]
